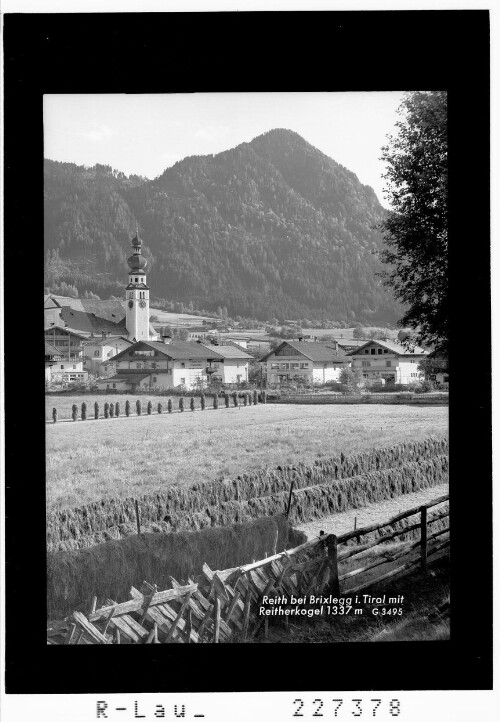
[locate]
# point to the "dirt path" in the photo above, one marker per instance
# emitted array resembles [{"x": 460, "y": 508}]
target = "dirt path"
[{"x": 344, "y": 521}]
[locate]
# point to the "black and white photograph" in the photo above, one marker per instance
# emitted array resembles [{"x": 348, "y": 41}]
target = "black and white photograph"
[
  {"x": 246, "y": 363},
  {"x": 264, "y": 426}
]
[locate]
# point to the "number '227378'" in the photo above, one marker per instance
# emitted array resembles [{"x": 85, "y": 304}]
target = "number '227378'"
[{"x": 350, "y": 707}]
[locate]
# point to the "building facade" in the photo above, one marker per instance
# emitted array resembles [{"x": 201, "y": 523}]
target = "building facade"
[
  {"x": 303, "y": 361},
  {"x": 388, "y": 362},
  {"x": 234, "y": 366},
  {"x": 152, "y": 364}
]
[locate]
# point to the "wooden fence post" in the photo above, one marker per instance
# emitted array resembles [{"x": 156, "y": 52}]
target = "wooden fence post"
[
  {"x": 423, "y": 538},
  {"x": 137, "y": 518},
  {"x": 331, "y": 544},
  {"x": 217, "y": 618},
  {"x": 291, "y": 492}
]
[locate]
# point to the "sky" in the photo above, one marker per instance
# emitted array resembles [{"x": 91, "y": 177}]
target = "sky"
[{"x": 145, "y": 134}]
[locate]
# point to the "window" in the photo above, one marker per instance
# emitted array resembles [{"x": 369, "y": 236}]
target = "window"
[
  {"x": 304, "y": 365},
  {"x": 365, "y": 363},
  {"x": 183, "y": 381},
  {"x": 136, "y": 280},
  {"x": 97, "y": 353},
  {"x": 285, "y": 367},
  {"x": 275, "y": 367},
  {"x": 138, "y": 366},
  {"x": 294, "y": 365},
  {"x": 74, "y": 366},
  {"x": 62, "y": 366},
  {"x": 379, "y": 350},
  {"x": 372, "y": 351},
  {"x": 386, "y": 351},
  {"x": 367, "y": 350},
  {"x": 155, "y": 379},
  {"x": 387, "y": 363},
  {"x": 114, "y": 386}
]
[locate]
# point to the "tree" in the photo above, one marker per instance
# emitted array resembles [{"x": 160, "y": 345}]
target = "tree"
[
  {"x": 359, "y": 332},
  {"x": 416, "y": 230},
  {"x": 431, "y": 366},
  {"x": 351, "y": 378}
]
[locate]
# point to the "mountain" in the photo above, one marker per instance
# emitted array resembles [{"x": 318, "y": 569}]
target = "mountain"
[{"x": 271, "y": 228}]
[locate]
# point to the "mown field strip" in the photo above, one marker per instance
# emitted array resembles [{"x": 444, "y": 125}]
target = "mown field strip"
[{"x": 372, "y": 513}]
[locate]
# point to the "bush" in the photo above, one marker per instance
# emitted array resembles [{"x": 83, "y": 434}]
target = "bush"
[
  {"x": 138, "y": 407},
  {"x": 150, "y": 408},
  {"x": 169, "y": 406},
  {"x": 216, "y": 401},
  {"x": 235, "y": 398},
  {"x": 111, "y": 410},
  {"x": 255, "y": 397},
  {"x": 54, "y": 415},
  {"x": 106, "y": 410},
  {"x": 202, "y": 401},
  {"x": 117, "y": 408},
  {"x": 96, "y": 410},
  {"x": 181, "y": 403},
  {"x": 425, "y": 386},
  {"x": 160, "y": 407},
  {"x": 74, "y": 412},
  {"x": 191, "y": 403},
  {"x": 84, "y": 411},
  {"x": 127, "y": 407},
  {"x": 226, "y": 399}
]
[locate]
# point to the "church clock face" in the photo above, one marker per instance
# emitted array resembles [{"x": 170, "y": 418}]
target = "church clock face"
[
  {"x": 142, "y": 304},
  {"x": 130, "y": 304}
]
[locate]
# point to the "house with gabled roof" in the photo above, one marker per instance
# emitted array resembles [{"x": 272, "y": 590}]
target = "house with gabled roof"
[
  {"x": 234, "y": 366},
  {"x": 388, "y": 362},
  {"x": 99, "y": 351},
  {"x": 153, "y": 364},
  {"x": 303, "y": 360}
]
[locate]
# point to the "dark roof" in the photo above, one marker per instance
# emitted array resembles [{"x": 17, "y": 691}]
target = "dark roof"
[
  {"x": 51, "y": 350},
  {"x": 396, "y": 348},
  {"x": 112, "y": 310},
  {"x": 90, "y": 323},
  {"x": 178, "y": 350},
  {"x": 318, "y": 352}
]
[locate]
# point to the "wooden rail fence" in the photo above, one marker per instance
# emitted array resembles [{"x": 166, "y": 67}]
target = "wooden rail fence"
[{"x": 223, "y": 606}]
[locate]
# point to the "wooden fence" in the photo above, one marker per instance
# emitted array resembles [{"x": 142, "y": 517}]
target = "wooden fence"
[{"x": 223, "y": 606}]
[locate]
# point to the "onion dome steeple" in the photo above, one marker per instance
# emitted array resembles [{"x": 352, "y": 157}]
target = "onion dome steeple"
[{"x": 137, "y": 263}]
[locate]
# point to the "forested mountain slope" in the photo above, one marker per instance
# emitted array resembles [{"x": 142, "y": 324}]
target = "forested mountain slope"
[{"x": 271, "y": 228}]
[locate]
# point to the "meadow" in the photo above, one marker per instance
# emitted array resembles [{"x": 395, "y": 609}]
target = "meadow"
[{"x": 92, "y": 460}]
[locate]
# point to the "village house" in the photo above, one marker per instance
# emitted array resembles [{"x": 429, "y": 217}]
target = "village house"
[
  {"x": 303, "y": 360},
  {"x": 153, "y": 364},
  {"x": 98, "y": 351},
  {"x": 52, "y": 356},
  {"x": 388, "y": 362},
  {"x": 67, "y": 342},
  {"x": 234, "y": 366}
]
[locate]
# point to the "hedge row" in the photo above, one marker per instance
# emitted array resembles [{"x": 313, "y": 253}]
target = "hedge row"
[{"x": 175, "y": 505}]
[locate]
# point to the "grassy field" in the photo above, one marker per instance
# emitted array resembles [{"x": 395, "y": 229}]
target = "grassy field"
[{"x": 91, "y": 460}]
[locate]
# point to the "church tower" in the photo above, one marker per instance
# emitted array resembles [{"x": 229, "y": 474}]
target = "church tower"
[{"x": 137, "y": 295}]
